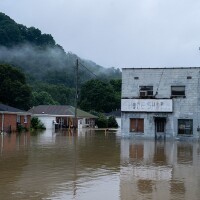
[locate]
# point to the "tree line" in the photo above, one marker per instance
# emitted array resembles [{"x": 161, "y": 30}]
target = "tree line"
[
  {"x": 94, "y": 95},
  {"x": 34, "y": 70}
]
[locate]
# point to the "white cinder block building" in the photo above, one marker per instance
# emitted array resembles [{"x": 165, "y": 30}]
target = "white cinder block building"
[{"x": 161, "y": 102}]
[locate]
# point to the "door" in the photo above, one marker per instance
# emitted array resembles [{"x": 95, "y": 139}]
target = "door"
[{"x": 160, "y": 127}]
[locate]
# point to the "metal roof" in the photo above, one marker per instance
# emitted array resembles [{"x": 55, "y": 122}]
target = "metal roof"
[{"x": 59, "y": 110}]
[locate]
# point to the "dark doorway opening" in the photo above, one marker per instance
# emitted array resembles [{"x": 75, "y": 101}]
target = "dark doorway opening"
[{"x": 160, "y": 123}]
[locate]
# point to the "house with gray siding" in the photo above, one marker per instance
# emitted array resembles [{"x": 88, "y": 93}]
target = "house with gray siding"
[{"x": 161, "y": 102}]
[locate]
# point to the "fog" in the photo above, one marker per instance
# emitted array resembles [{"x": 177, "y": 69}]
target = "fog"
[{"x": 116, "y": 33}]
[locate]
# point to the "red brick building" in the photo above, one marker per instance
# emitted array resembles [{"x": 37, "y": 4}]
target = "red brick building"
[{"x": 11, "y": 118}]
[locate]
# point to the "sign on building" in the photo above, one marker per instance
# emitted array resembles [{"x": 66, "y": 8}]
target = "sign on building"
[{"x": 147, "y": 105}]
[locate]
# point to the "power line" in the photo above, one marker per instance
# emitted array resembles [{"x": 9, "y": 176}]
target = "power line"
[{"x": 88, "y": 70}]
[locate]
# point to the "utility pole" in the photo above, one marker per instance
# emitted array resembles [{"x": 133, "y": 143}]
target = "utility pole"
[{"x": 76, "y": 97}]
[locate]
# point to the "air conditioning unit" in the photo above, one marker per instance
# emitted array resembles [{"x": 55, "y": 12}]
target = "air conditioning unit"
[{"x": 143, "y": 93}]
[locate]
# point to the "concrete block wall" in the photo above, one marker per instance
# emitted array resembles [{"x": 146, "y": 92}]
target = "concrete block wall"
[{"x": 162, "y": 79}]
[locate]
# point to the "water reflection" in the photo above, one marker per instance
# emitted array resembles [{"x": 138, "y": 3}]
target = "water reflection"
[
  {"x": 92, "y": 164},
  {"x": 159, "y": 170}
]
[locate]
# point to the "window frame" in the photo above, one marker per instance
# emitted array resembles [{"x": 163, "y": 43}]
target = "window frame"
[
  {"x": 139, "y": 128},
  {"x": 18, "y": 119},
  {"x": 25, "y": 119},
  {"x": 185, "y": 126},
  {"x": 178, "y": 95},
  {"x": 146, "y": 88}
]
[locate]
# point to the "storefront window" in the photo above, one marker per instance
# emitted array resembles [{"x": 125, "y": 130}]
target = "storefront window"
[{"x": 185, "y": 126}]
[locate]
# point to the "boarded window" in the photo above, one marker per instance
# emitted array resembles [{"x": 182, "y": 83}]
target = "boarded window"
[
  {"x": 137, "y": 125},
  {"x": 177, "y": 91},
  {"x": 185, "y": 126}
]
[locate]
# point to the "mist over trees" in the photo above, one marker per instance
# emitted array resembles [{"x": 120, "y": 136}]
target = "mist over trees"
[{"x": 48, "y": 69}]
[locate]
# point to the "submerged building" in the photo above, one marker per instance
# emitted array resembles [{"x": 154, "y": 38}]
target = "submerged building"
[{"x": 161, "y": 102}]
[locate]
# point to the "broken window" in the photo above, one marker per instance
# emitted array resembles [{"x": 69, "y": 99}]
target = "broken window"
[
  {"x": 185, "y": 126},
  {"x": 177, "y": 91},
  {"x": 137, "y": 125},
  {"x": 146, "y": 91}
]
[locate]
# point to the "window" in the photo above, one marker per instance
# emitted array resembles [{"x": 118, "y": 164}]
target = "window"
[
  {"x": 25, "y": 119},
  {"x": 18, "y": 119},
  {"x": 146, "y": 91},
  {"x": 137, "y": 125},
  {"x": 185, "y": 126},
  {"x": 178, "y": 91}
]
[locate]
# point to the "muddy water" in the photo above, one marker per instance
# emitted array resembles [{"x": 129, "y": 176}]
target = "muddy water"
[{"x": 96, "y": 165}]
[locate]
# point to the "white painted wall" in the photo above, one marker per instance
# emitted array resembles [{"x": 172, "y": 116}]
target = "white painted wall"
[{"x": 47, "y": 121}]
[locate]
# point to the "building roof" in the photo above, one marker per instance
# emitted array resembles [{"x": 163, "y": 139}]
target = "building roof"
[
  {"x": 139, "y": 68},
  {"x": 59, "y": 110},
  {"x": 5, "y": 108}
]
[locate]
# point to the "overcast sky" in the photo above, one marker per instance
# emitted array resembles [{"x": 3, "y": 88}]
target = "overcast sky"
[{"x": 117, "y": 33}]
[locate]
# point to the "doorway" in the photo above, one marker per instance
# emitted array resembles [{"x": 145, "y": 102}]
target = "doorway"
[{"x": 160, "y": 123}]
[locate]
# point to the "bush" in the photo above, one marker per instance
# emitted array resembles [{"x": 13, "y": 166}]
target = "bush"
[
  {"x": 21, "y": 128},
  {"x": 112, "y": 123},
  {"x": 102, "y": 121},
  {"x": 36, "y": 123}
]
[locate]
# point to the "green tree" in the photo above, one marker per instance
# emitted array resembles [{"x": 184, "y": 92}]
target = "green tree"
[
  {"x": 42, "y": 98},
  {"x": 99, "y": 96},
  {"x": 13, "y": 88},
  {"x": 112, "y": 123},
  {"x": 60, "y": 93},
  {"x": 102, "y": 121}
]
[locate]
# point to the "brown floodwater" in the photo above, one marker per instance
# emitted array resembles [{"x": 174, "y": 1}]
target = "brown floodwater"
[{"x": 94, "y": 165}]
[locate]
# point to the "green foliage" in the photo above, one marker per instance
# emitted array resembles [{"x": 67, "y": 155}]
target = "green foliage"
[
  {"x": 37, "y": 124},
  {"x": 59, "y": 93},
  {"x": 99, "y": 96},
  {"x": 21, "y": 128},
  {"x": 102, "y": 122},
  {"x": 12, "y": 34},
  {"x": 13, "y": 88},
  {"x": 42, "y": 98},
  {"x": 112, "y": 123},
  {"x": 51, "y": 72}
]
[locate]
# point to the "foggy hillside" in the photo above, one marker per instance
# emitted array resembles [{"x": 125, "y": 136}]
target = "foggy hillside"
[{"x": 41, "y": 59}]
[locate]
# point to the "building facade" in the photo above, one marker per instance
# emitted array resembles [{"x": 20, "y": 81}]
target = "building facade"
[
  {"x": 161, "y": 102},
  {"x": 11, "y": 118},
  {"x": 62, "y": 116}
]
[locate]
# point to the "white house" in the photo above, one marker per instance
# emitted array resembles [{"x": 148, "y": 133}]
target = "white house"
[{"x": 62, "y": 116}]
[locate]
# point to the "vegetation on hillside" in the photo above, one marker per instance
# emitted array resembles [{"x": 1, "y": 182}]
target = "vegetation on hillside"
[
  {"x": 14, "y": 90},
  {"x": 50, "y": 72}
]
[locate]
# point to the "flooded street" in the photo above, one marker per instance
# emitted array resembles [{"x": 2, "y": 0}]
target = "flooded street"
[{"x": 97, "y": 165}]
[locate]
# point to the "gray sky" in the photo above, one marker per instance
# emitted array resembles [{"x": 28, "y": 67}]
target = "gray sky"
[{"x": 117, "y": 33}]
